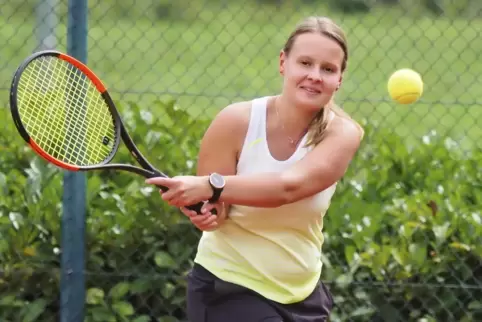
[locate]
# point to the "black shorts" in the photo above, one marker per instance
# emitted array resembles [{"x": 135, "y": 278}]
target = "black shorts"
[{"x": 210, "y": 299}]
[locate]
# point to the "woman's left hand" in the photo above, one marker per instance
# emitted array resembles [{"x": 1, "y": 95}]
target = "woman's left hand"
[
  {"x": 183, "y": 190},
  {"x": 208, "y": 220}
]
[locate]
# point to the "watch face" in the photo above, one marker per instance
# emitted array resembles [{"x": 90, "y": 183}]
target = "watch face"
[{"x": 217, "y": 180}]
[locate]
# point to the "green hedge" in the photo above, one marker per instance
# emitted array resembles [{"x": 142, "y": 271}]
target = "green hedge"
[{"x": 403, "y": 234}]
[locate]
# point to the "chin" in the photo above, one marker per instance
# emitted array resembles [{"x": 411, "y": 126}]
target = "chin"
[{"x": 311, "y": 103}]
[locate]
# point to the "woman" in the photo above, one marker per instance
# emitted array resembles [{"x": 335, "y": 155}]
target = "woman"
[{"x": 270, "y": 167}]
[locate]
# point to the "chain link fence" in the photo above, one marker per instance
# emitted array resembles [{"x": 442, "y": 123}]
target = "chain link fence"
[{"x": 403, "y": 234}]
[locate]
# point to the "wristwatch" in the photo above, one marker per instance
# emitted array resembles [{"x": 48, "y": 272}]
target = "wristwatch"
[{"x": 217, "y": 183}]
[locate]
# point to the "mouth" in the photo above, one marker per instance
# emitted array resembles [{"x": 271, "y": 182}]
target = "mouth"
[{"x": 311, "y": 90}]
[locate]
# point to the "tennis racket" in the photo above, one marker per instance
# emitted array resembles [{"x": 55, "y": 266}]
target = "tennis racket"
[{"x": 66, "y": 115}]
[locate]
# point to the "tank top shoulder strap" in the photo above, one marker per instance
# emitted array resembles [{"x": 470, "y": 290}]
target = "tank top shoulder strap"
[
  {"x": 256, "y": 132},
  {"x": 257, "y": 121}
]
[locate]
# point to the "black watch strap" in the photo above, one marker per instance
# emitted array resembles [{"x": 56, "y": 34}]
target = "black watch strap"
[{"x": 216, "y": 195}]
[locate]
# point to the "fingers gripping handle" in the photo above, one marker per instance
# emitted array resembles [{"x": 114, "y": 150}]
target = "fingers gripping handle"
[{"x": 196, "y": 207}]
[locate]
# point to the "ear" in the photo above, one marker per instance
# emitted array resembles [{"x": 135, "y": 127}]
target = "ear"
[
  {"x": 339, "y": 82},
  {"x": 282, "y": 61}
]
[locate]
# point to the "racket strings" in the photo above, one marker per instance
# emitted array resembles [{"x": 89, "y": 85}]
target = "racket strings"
[{"x": 64, "y": 113}]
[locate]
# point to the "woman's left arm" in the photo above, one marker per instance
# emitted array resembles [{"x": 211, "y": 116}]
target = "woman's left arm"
[{"x": 318, "y": 170}]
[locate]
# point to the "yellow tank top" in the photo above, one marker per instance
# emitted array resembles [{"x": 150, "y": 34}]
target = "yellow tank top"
[{"x": 275, "y": 252}]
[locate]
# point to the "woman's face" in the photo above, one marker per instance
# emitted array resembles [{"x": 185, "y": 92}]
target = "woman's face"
[{"x": 312, "y": 70}]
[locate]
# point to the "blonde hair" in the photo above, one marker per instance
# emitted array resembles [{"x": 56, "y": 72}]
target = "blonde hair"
[{"x": 324, "y": 26}]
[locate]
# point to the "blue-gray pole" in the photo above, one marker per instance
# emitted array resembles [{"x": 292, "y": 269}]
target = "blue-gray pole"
[{"x": 72, "y": 295}]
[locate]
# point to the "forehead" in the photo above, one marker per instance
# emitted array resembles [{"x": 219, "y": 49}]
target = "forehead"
[{"x": 317, "y": 46}]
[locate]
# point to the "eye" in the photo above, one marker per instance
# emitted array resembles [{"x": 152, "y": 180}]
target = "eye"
[
  {"x": 329, "y": 69},
  {"x": 305, "y": 63}
]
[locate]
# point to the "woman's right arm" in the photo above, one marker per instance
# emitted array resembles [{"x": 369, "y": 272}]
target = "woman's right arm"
[{"x": 219, "y": 152}]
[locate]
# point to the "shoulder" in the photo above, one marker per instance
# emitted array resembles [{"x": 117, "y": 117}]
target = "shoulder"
[
  {"x": 229, "y": 126},
  {"x": 232, "y": 120},
  {"x": 343, "y": 125},
  {"x": 344, "y": 128},
  {"x": 236, "y": 114}
]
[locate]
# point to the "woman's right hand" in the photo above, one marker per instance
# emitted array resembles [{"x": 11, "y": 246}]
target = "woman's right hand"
[{"x": 207, "y": 221}]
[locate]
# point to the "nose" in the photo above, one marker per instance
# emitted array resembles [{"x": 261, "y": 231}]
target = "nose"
[{"x": 315, "y": 75}]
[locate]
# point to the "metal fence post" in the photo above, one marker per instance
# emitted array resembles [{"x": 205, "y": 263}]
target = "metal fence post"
[{"x": 74, "y": 198}]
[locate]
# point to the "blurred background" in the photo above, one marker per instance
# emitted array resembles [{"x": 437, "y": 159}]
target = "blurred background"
[{"x": 404, "y": 231}]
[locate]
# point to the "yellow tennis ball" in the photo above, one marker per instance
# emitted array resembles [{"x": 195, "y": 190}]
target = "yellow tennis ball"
[{"x": 405, "y": 86}]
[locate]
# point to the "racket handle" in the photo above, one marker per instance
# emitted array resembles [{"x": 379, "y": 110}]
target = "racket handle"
[{"x": 197, "y": 207}]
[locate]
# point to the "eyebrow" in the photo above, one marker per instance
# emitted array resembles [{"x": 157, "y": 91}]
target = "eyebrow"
[{"x": 324, "y": 62}]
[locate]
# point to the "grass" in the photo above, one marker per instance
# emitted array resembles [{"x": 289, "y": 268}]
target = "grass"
[{"x": 230, "y": 53}]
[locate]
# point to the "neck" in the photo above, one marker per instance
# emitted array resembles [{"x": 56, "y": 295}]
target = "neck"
[{"x": 293, "y": 117}]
